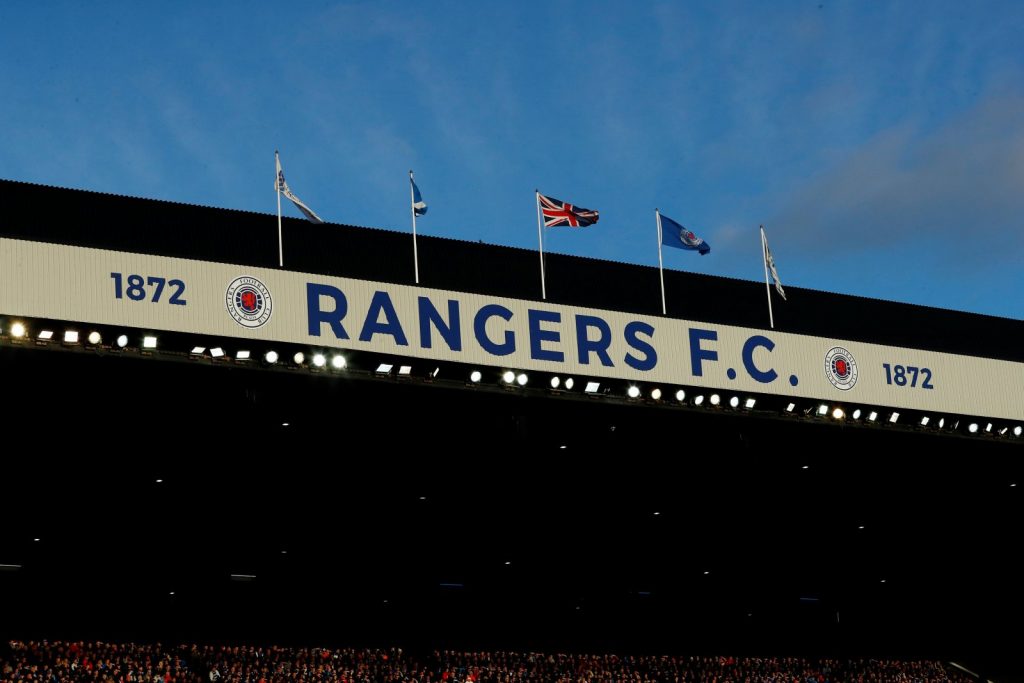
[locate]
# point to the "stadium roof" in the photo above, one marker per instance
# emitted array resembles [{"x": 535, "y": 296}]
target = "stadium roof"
[{"x": 47, "y": 214}]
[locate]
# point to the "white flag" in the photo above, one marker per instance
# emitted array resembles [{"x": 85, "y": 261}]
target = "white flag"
[
  {"x": 771, "y": 267},
  {"x": 282, "y": 187}
]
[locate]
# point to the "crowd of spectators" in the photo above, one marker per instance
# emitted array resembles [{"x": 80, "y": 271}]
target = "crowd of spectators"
[{"x": 86, "y": 662}]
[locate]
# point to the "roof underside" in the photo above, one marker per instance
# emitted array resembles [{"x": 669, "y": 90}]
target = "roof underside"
[{"x": 390, "y": 511}]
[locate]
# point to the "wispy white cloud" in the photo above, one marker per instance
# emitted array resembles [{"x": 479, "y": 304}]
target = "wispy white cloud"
[{"x": 955, "y": 188}]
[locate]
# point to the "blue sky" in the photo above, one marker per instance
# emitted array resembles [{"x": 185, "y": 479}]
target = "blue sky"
[{"x": 881, "y": 144}]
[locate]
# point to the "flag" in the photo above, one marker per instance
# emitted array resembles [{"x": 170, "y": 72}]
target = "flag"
[
  {"x": 771, "y": 267},
  {"x": 419, "y": 207},
  {"x": 678, "y": 237},
  {"x": 557, "y": 212},
  {"x": 282, "y": 187}
]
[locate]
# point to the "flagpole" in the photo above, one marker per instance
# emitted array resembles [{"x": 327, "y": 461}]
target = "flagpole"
[
  {"x": 412, "y": 208},
  {"x": 767, "y": 289},
  {"x": 540, "y": 243},
  {"x": 661, "y": 267},
  {"x": 277, "y": 185}
]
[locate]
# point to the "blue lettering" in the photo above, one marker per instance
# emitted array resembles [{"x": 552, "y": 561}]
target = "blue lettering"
[
  {"x": 480, "y": 329},
  {"x": 585, "y": 346},
  {"x": 697, "y": 354},
  {"x": 537, "y": 335},
  {"x": 650, "y": 357},
  {"x": 748, "y": 358},
  {"x": 451, "y": 333},
  {"x": 381, "y": 303},
  {"x": 316, "y": 316}
]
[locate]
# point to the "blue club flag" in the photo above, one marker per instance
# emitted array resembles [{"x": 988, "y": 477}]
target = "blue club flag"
[
  {"x": 419, "y": 207},
  {"x": 676, "y": 236}
]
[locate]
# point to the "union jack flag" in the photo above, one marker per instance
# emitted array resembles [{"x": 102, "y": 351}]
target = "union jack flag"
[{"x": 557, "y": 212}]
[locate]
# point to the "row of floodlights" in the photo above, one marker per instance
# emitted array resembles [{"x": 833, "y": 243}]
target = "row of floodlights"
[
  {"x": 924, "y": 421},
  {"x": 338, "y": 362},
  {"x": 272, "y": 357},
  {"x": 318, "y": 360},
  {"x": 149, "y": 342},
  {"x": 509, "y": 377},
  {"x": 19, "y": 331}
]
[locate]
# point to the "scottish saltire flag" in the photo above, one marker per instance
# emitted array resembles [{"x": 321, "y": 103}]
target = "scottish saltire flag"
[
  {"x": 771, "y": 267},
  {"x": 419, "y": 207},
  {"x": 557, "y": 213},
  {"x": 282, "y": 187},
  {"x": 678, "y": 237}
]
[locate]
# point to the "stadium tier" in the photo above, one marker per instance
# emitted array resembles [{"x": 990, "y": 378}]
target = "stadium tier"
[
  {"x": 62, "y": 662},
  {"x": 201, "y": 446}
]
